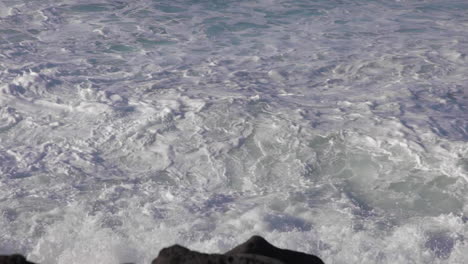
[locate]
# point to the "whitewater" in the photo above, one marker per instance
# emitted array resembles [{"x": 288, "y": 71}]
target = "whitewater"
[{"x": 333, "y": 127}]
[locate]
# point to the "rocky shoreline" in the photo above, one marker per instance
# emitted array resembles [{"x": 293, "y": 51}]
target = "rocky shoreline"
[{"x": 256, "y": 250}]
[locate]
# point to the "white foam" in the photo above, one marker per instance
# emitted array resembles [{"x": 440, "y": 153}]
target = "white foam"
[{"x": 332, "y": 128}]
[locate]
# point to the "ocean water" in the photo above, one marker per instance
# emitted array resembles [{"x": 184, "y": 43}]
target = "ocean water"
[{"x": 333, "y": 127}]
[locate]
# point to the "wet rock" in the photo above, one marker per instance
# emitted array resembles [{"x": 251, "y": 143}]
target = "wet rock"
[
  {"x": 256, "y": 250},
  {"x": 259, "y": 246},
  {"x": 180, "y": 255},
  {"x": 14, "y": 259}
]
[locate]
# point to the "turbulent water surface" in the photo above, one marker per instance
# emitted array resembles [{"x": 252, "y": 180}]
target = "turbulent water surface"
[{"x": 333, "y": 127}]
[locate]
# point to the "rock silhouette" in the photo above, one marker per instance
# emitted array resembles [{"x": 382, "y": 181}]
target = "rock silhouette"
[
  {"x": 180, "y": 255},
  {"x": 14, "y": 259},
  {"x": 259, "y": 246},
  {"x": 256, "y": 250}
]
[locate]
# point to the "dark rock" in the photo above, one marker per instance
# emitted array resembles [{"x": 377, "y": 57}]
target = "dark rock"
[
  {"x": 180, "y": 255},
  {"x": 14, "y": 259},
  {"x": 256, "y": 250},
  {"x": 259, "y": 246}
]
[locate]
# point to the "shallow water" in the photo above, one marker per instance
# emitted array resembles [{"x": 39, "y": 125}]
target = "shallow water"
[{"x": 337, "y": 128}]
